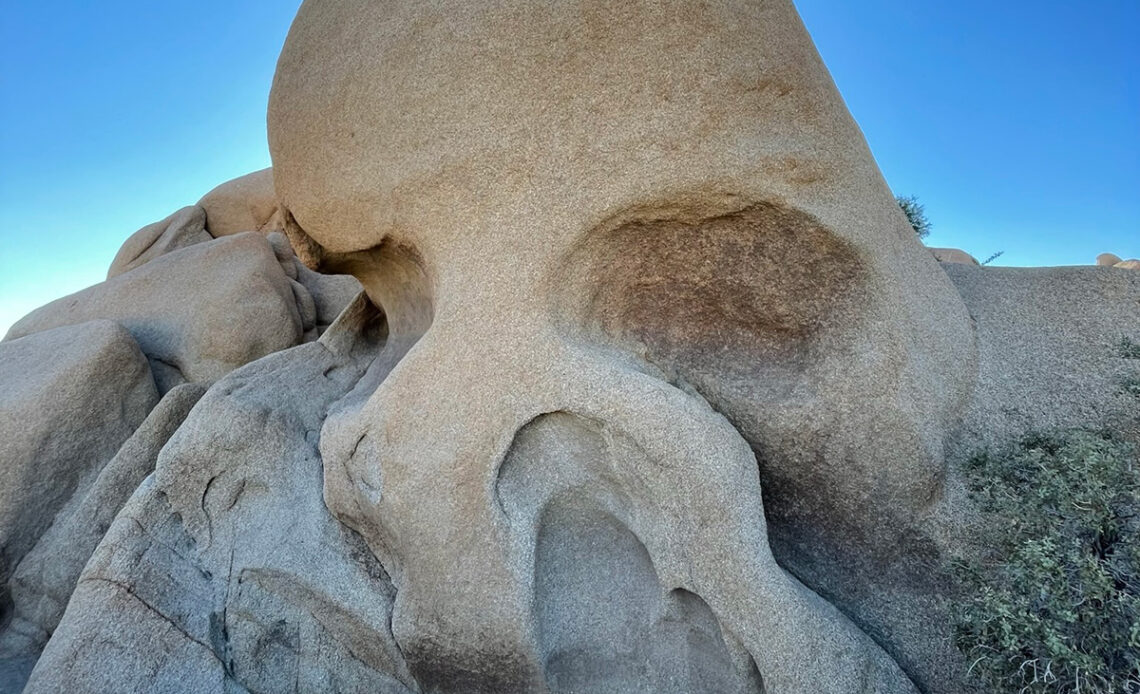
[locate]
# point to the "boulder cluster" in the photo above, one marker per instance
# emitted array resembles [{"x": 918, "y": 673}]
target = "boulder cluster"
[{"x": 95, "y": 383}]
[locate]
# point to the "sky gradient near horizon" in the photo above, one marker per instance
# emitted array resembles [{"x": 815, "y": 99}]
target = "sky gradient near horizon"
[{"x": 1016, "y": 124}]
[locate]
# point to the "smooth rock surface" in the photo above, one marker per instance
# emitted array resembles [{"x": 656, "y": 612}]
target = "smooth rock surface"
[
  {"x": 197, "y": 312},
  {"x": 331, "y": 294},
  {"x": 69, "y": 398},
  {"x": 247, "y": 203},
  {"x": 660, "y": 221},
  {"x": 226, "y": 572},
  {"x": 185, "y": 227},
  {"x": 44, "y": 580},
  {"x": 1107, "y": 259}
]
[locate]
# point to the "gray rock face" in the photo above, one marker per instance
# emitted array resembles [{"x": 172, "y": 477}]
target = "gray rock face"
[
  {"x": 1049, "y": 342},
  {"x": 185, "y": 227},
  {"x": 43, "y": 582},
  {"x": 197, "y": 312},
  {"x": 70, "y": 397},
  {"x": 205, "y": 582},
  {"x": 331, "y": 294}
]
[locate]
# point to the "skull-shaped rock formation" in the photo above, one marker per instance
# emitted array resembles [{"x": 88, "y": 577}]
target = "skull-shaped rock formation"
[
  {"x": 645, "y": 287},
  {"x": 651, "y": 387}
]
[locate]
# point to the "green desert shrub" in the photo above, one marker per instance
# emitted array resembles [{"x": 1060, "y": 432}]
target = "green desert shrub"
[
  {"x": 1051, "y": 598},
  {"x": 915, "y": 213},
  {"x": 1131, "y": 386},
  {"x": 1129, "y": 348}
]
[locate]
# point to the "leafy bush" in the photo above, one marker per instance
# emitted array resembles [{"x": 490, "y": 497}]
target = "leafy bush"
[
  {"x": 915, "y": 213},
  {"x": 1051, "y": 601}
]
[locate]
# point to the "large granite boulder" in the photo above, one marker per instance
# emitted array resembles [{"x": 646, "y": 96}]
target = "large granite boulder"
[
  {"x": 651, "y": 386},
  {"x": 626, "y": 238},
  {"x": 1049, "y": 354},
  {"x": 227, "y": 572},
  {"x": 197, "y": 312},
  {"x": 43, "y": 581},
  {"x": 71, "y": 396},
  {"x": 953, "y": 255}
]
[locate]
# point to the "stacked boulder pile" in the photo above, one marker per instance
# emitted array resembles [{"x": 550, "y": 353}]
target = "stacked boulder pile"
[{"x": 96, "y": 382}]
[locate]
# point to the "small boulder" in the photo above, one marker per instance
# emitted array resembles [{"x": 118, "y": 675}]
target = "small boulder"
[
  {"x": 197, "y": 312},
  {"x": 247, "y": 203},
  {"x": 331, "y": 293},
  {"x": 1107, "y": 259},
  {"x": 185, "y": 227}
]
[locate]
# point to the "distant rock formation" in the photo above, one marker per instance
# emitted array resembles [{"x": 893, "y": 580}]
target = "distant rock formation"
[
  {"x": 611, "y": 366},
  {"x": 1110, "y": 260},
  {"x": 953, "y": 255}
]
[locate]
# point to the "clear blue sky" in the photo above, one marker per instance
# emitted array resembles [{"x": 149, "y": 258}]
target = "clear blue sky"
[{"x": 1016, "y": 123}]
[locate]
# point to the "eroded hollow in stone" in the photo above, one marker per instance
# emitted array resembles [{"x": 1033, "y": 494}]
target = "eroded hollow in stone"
[
  {"x": 605, "y": 620},
  {"x": 765, "y": 313},
  {"x": 737, "y": 298},
  {"x": 392, "y": 274}
]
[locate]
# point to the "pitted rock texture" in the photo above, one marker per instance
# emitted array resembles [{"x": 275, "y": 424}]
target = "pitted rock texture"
[
  {"x": 953, "y": 255},
  {"x": 703, "y": 224}
]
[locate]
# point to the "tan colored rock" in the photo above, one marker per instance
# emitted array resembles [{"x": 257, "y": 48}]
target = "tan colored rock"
[
  {"x": 247, "y": 203},
  {"x": 1048, "y": 357},
  {"x": 197, "y": 312},
  {"x": 185, "y": 227},
  {"x": 651, "y": 220},
  {"x": 953, "y": 255},
  {"x": 1107, "y": 259},
  {"x": 1131, "y": 264},
  {"x": 69, "y": 398}
]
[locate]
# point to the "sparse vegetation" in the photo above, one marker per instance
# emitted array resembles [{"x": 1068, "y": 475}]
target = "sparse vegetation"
[
  {"x": 915, "y": 213},
  {"x": 1051, "y": 600},
  {"x": 1129, "y": 348},
  {"x": 992, "y": 258},
  {"x": 1131, "y": 386}
]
